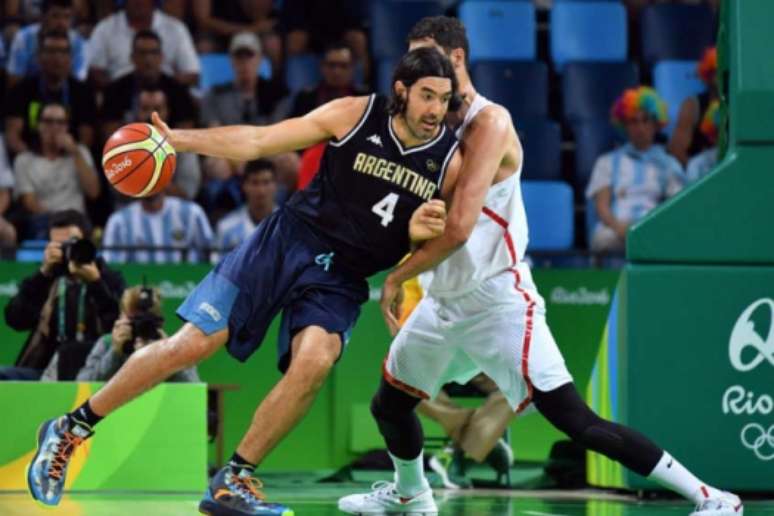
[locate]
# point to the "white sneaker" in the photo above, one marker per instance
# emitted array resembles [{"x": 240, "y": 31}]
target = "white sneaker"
[
  {"x": 721, "y": 503},
  {"x": 384, "y": 499}
]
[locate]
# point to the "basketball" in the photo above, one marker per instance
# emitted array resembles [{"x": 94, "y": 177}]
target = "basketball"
[{"x": 138, "y": 161}]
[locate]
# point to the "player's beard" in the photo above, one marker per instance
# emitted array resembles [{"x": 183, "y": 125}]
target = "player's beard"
[{"x": 417, "y": 128}]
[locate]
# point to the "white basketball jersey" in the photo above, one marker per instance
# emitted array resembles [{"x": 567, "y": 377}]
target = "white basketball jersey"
[{"x": 498, "y": 241}]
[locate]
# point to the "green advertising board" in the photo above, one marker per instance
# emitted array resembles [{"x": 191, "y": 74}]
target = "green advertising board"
[{"x": 339, "y": 425}]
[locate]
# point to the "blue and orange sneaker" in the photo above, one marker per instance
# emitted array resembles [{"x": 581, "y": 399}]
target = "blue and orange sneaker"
[
  {"x": 57, "y": 440},
  {"x": 238, "y": 494}
]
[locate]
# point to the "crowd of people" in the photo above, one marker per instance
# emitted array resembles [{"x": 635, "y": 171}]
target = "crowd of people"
[{"x": 76, "y": 70}]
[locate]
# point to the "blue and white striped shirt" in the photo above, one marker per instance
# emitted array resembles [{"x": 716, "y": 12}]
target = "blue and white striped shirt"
[
  {"x": 179, "y": 224},
  {"x": 235, "y": 228},
  {"x": 639, "y": 181}
]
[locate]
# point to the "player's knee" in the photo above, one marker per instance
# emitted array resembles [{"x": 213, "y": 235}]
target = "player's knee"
[
  {"x": 314, "y": 365},
  {"x": 391, "y": 404},
  {"x": 189, "y": 346}
]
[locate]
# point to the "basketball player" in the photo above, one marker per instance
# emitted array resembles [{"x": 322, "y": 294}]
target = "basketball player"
[
  {"x": 483, "y": 313},
  {"x": 385, "y": 162}
]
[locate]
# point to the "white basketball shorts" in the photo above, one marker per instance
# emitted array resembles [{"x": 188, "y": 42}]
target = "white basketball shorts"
[{"x": 498, "y": 329}]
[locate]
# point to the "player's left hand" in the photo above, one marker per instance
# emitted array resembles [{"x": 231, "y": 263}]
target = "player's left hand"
[
  {"x": 428, "y": 221},
  {"x": 392, "y": 299}
]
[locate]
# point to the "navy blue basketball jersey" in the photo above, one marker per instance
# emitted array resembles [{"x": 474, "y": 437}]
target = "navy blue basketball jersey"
[{"x": 362, "y": 198}]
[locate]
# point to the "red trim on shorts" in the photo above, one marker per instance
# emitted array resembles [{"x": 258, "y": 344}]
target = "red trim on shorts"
[
  {"x": 705, "y": 491},
  {"x": 507, "y": 235},
  {"x": 417, "y": 393},
  {"x": 527, "y": 341}
]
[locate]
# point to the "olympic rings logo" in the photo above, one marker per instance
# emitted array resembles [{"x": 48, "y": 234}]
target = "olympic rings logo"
[{"x": 760, "y": 441}]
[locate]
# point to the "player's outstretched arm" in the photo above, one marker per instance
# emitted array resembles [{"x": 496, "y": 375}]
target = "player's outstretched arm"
[{"x": 246, "y": 142}]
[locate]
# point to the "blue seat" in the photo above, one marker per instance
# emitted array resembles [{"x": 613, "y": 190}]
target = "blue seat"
[
  {"x": 541, "y": 140},
  {"x": 31, "y": 251},
  {"x": 216, "y": 69},
  {"x": 499, "y": 29},
  {"x": 588, "y": 31},
  {"x": 589, "y": 89},
  {"x": 384, "y": 68},
  {"x": 675, "y": 81},
  {"x": 592, "y": 138},
  {"x": 549, "y": 207},
  {"x": 520, "y": 86},
  {"x": 391, "y": 21},
  {"x": 676, "y": 31},
  {"x": 302, "y": 71}
]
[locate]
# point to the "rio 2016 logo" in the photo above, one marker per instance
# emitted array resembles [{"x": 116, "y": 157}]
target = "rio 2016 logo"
[{"x": 751, "y": 345}]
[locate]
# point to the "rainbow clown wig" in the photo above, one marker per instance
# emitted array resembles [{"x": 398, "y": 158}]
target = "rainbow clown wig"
[
  {"x": 710, "y": 122},
  {"x": 708, "y": 66},
  {"x": 642, "y": 99}
]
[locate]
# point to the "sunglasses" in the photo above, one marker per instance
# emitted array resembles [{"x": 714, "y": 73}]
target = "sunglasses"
[
  {"x": 53, "y": 121},
  {"x": 337, "y": 64},
  {"x": 56, "y": 51}
]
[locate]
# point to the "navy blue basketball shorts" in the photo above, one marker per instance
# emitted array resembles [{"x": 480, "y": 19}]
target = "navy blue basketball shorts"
[{"x": 283, "y": 267}]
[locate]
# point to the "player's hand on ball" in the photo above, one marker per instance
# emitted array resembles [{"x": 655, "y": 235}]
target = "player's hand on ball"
[
  {"x": 392, "y": 299},
  {"x": 428, "y": 221},
  {"x": 163, "y": 128}
]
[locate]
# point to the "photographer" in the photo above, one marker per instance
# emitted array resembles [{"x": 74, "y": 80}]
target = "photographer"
[
  {"x": 139, "y": 325},
  {"x": 68, "y": 303}
]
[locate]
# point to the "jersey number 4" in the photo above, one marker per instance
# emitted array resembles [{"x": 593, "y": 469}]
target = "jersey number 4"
[{"x": 385, "y": 208}]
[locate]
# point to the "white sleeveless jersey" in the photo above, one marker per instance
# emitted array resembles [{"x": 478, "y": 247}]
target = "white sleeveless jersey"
[{"x": 499, "y": 239}]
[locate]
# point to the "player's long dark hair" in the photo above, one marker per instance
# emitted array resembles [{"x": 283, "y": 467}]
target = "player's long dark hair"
[{"x": 419, "y": 63}]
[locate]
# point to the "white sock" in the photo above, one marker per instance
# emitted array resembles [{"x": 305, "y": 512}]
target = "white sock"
[
  {"x": 410, "y": 475},
  {"x": 673, "y": 475}
]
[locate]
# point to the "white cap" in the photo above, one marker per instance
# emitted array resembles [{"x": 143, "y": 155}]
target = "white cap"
[{"x": 245, "y": 40}]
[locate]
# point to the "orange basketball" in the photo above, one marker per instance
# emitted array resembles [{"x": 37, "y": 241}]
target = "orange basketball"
[{"x": 138, "y": 161}]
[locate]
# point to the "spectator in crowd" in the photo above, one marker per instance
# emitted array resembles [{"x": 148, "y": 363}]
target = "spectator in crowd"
[
  {"x": 158, "y": 229},
  {"x": 121, "y": 95},
  {"x": 66, "y": 305},
  {"x": 259, "y": 185},
  {"x": 250, "y": 99},
  {"x": 338, "y": 73},
  {"x": 687, "y": 139},
  {"x": 53, "y": 84},
  {"x": 220, "y": 21},
  {"x": 701, "y": 164},
  {"x": 310, "y": 24},
  {"x": 628, "y": 182},
  {"x": 188, "y": 175},
  {"x": 110, "y": 47},
  {"x": 139, "y": 325},
  {"x": 22, "y": 59},
  {"x": 7, "y": 230},
  {"x": 56, "y": 173}
]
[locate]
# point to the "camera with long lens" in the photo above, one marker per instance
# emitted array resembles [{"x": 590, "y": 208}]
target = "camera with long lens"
[{"x": 145, "y": 324}]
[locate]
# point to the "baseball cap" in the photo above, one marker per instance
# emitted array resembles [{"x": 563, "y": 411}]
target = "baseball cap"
[{"x": 245, "y": 41}]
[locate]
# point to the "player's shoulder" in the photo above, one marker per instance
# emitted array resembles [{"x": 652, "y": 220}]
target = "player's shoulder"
[
  {"x": 350, "y": 103},
  {"x": 492, "y": 116}
]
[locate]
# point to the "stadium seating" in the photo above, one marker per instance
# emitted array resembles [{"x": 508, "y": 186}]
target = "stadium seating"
[
  {"x": 588, "y": 31},
  {"x": 592, "y": 138},
  {"x": 216, "y": 69},
  {"x": 674, "y": 81},
  {"x": 549, "y": 207},
  {"x": 541, "y": 139},
  {"x": 520, "y": 86},
  {"x": 384, "y": 69},
  {"x": 499, "y": 30},
  {"x": 302, "y": 71},
  {"x": 675, "y": 31},
  {"x": 391, "y": 21},
  {"x": 589, "y": 89},
  {"x": 31, "y": 251}
]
